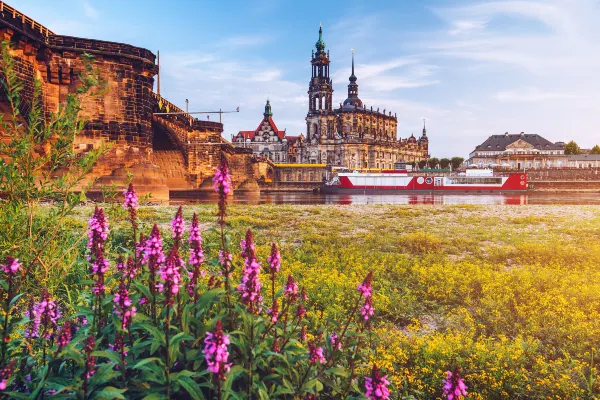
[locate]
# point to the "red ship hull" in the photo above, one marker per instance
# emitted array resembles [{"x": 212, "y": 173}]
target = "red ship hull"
[{"x": 390, "y": 182}]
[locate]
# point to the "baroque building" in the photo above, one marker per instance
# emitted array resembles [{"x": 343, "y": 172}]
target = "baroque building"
[
  {"x": 268, "y": 141},
  {"x": 519, "y": 151},
  {"x": 353, "y": 135}
]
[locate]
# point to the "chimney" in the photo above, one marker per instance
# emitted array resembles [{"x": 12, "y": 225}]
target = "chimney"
[
  {"x": 522, "y": 133},
  {"x": 505, "y": 133}
]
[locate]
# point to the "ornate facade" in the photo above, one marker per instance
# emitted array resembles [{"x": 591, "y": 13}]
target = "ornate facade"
[
  {"x": 352, "y": 135},
  {"x": 268, "y": 141},
  {"x": 519, "y": 151}
]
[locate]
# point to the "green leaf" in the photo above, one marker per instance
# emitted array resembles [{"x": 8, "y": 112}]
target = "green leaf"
[
  {"x": 190, "y": 386},
  {"x": 104, "y": 374},
  {"x": 207, "y": 297},
  {"x": 146, "y": 361},
  {"x": 108, "y": 354},
  {"x": 15, "y": 299},
  {"x": 338, "y": 371},
  {"x": 154, "y": 396},
  {"x": 110, "y": 393}
]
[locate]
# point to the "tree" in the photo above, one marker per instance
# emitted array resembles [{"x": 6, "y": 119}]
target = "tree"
[
  {"x": 595, "y": 150},
  {"x": 572, "y": 148},
  {"x": 456, "y": 162},
  {"x": 433, "y": 162},
  {"x": 422, "y": 164},
  {"x": 444, "y": 163},
  {"x": 38, "y": 166}
]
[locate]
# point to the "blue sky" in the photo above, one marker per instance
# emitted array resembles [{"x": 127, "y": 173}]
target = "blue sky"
[{"x": 470, "y": 68}]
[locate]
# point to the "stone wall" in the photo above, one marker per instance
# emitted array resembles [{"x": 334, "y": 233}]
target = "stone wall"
[
  {"x": 120, "y": 113},
  {"x": 122, "y": 110}
]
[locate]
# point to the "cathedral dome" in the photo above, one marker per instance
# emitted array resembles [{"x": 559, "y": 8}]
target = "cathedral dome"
[
  {"x": 352, "y": 102},
  {"x": 320, "y": 45}
]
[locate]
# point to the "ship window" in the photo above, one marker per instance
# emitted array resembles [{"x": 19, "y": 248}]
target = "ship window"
[{"x": 464, "y": 180}]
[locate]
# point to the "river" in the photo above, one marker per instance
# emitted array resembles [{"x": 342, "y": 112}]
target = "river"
[{"x": 416, "y": 199}]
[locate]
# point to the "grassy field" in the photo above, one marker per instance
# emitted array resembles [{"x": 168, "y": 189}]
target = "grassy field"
[{"x": 511, "y": 294}]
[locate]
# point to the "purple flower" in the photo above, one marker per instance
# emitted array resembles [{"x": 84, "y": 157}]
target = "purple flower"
[
  {"x": 153, "y": 256},
  {"x": 225, "y": 258},
  {"x": 90, "y": 360},
  {"x": 43, "y": 314},
  {"x": 140, "y": 247},
  {"x": 216, "y": 353},
  {"x": 222, "y": 179},
  {"x": 274, "y": 311},
  {"x": 365, "y": 287},
  {"x": 274, "y": 259},
  {"x": 300, "y": 312},
  {"x": 10, "y": 266},
  {"x": 222, "y": 185},
  {"x": 170, "y": 275},
  {"x": 250, "y": 285},
  {"x": 64, "y": 335},
  {"x": 454, "y": 387},
  {"x": 376, "y": 385},
  {"x": 124, "y": 306},
  {"x": 97, "y": 235},
  {"x": 303, "y": 294},
  {"x": 97, "y": 229},
  {"x": 291, "y": 288},
  {"x": 315, "y": 353},
  {"x": 336, "y": 343},
  {"x": 367, "y": 309},
  {"x": 196, "y": 255},
  {"x": 127, "y": 269},
  {"x": 118, "y": 346},
  {"x": 6, "y": 373},
  {"x": 178, "y": 225},
  {"x": 153, "y": 251},
  {"x": 131, "y": 199},
  {"x": 303, "y": 334}
]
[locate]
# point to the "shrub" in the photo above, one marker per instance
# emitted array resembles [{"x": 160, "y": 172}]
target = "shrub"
[{"x": 155, "y": 326}]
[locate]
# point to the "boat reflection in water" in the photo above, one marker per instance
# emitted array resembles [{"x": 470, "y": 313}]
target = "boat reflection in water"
[{"x": 408, "y": 198}]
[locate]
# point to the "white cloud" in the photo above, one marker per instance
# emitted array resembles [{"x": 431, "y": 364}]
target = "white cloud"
[
  {"x": 89, "y": 11},
  {"x": 526, "y": 95}
]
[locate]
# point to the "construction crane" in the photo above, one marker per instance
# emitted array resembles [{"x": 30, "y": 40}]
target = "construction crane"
[{"x": 220, "y": 112}]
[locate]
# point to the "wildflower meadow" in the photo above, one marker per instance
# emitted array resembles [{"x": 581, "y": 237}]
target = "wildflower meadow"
[{"x": 279, "y": 301}]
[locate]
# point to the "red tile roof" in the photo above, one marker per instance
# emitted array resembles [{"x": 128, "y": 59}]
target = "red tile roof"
[{"x": 251, "y": 134}]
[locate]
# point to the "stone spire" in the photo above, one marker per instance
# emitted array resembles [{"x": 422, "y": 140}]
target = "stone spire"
[
  {"x": 353, "y": 100},
  {"x": 320, "y": 45},
  {"x": 268, "y": 113},
  {"x": 352, "y": 77},
  {"x": 320, "y": 89}
]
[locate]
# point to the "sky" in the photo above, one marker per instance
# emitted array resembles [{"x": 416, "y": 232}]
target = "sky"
[{"x": 469, "y": 68}]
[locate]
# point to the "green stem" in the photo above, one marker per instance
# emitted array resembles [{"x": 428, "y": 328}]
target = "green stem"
[{"x": 168, "y": 355}]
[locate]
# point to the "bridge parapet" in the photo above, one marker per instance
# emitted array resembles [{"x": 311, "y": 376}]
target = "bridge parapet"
[{"x": 23, "y": 23}]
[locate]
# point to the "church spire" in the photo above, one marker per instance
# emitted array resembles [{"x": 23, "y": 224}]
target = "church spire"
[
  {"x": 268, "y": 113},
  {"x": 353, "y": 101},
  {"x": 320, "y": 45},
  {"x": 352, "y": 77}
]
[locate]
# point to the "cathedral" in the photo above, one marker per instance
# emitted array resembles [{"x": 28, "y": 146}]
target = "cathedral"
[{"x": 351, "y": 136}]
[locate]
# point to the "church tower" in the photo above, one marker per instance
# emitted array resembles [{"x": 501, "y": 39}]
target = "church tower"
[
  {"x": 320, "y": 89},
  {"x": 353, "y": 101}
]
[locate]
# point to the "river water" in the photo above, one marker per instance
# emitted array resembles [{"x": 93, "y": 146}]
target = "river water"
[{"x": 416, "y": 199}]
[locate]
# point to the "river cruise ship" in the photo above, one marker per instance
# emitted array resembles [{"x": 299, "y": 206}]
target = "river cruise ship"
[{"x": 388, "y": 181}]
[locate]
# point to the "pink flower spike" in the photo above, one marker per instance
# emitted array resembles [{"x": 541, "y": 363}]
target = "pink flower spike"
[{"x": 376, "y": 385}]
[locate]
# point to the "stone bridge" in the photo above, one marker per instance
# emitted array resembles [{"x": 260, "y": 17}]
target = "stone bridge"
[{"x": 164, "y": 152}]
